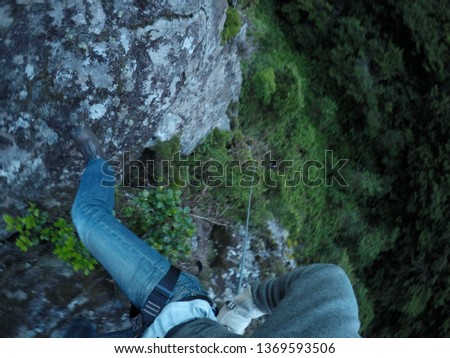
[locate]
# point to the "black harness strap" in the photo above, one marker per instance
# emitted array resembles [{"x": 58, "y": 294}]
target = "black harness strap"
[
  {"x": 200, "y": 267},
  {"x": 155, "y": 302}
]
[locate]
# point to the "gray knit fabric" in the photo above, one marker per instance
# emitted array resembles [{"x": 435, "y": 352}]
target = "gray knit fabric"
[{"x": 312, "y": 301}]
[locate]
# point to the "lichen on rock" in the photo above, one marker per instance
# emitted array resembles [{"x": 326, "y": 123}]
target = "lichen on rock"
[{"x": 132, "y": 71}]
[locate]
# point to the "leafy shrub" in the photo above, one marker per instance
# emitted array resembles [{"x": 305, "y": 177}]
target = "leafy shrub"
[
  {"x": 37, "y": 226},
  {"x": 167, "y": 149},
  {"x": 158, "y": 217},
  {"x": 232, "y": 25},
  {"x": 160, "y": 154},
  {"x": 264, "y": 85}
]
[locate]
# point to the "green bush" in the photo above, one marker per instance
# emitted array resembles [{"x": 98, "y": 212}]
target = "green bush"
[
  {"x": 166, "y": 150},
  {"x": 232, "y": 25},
  {"x": 37, "y": 227},
  {"x": 158, "y": 217},
  {"x": 264, "y": 85},
  {"x": 161, "y": 153},
  {"x": 231, "y": 151}
]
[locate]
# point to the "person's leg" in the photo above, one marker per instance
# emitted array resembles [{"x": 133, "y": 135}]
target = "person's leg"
[
  {"x": 134, "y": 265},
  {"x": 313, "y": 301}
]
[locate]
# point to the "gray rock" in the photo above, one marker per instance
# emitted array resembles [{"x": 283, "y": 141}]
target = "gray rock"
[{"x": 133, "y": 71}]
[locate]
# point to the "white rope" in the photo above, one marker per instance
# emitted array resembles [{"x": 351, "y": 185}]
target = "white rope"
[{"x": 244, "y": 251}]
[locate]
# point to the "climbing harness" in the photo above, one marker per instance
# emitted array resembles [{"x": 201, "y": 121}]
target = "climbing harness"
[{"x": 155, "y": 302}]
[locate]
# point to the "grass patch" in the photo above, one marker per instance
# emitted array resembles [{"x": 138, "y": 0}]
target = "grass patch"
[{"x": 232, "y": 26}]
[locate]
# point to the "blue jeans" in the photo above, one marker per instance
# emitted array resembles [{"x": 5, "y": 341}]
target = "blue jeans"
[{"x": 134, "y": 265}]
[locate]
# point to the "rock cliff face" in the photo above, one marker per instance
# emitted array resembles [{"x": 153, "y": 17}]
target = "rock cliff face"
[{"x": 133, "y": 71}]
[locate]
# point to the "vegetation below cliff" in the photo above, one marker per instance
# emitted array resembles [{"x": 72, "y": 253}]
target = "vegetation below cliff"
[{"x": 368, "y": 81}]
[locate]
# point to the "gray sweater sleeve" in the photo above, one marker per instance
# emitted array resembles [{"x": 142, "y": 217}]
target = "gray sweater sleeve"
[{"x": 312, "y": 301}]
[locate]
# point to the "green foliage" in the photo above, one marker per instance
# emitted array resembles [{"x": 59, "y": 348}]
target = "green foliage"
[
  {"x": 158, "y": 217},
  {"x": 232, "y": 155},
  {"x": 163, "y": 152},
  {"x": 350, "y": 88},
  {"x": 289, "y": 133},
  {"x": 247, "y": 3},
  {"x": 166, "y": 150},
  {"x": 264, "y": 85},
  {"x": 232, "y": 25},
  {"x": 216, "y": 176},
  {"x": 37, "y": 227},
  {"x": 377, "y": 93}
]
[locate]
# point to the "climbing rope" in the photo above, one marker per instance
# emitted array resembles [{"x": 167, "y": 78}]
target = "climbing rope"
[{"x": 244, "y": 250}]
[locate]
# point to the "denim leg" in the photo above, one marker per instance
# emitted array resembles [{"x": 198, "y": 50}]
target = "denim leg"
[{"x": 134, "y": 265}]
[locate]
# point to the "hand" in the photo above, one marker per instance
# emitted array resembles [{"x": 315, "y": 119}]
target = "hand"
[{"x": 237, "y": 314}]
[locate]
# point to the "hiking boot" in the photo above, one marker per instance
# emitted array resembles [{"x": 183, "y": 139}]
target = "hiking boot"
[
  {"x": 237, "y": 314},
  {"x": 88, "y": 144}
]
